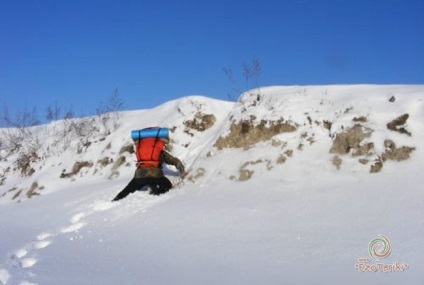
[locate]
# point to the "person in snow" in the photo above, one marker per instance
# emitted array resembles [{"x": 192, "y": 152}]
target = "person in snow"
[{"x": 151, "y": 154}]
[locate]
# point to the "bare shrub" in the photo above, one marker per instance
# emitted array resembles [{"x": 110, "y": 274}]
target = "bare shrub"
[
  {"x": 53, "y": 112},
  {"x": 251, "y": 73},
  {"x": 108, "y": 112},
  {"x": 84, "y": 127},
  {"x": 24, "y": 118},
  {"x": 24, "y": 161},
  {"x": 12, "y": 139},
  {"x": 65, "y": 131},
  {"x": 19, "y": 131}
]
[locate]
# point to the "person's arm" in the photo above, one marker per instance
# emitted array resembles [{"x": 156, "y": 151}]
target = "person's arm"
[{"x": 169, "y": 159}]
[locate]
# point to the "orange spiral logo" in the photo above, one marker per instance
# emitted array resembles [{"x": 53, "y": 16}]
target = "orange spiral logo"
[{"x": 379, "y": 247}]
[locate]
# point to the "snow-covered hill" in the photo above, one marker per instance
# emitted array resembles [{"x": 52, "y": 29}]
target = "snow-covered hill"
[{"x": 289, "y": 185}]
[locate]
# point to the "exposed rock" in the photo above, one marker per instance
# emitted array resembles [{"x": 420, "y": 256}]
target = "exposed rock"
[
  {"x": 276, "y": 143},
  {"x": 245, "y": 174},
  {"x": 281, "y": 159},
  {"x": 351, "y": 139},
  {"x": 244, "y": 134},
  {"x": 120, "y": 161},
  {"x": 337, "y": 161},
  {"x": 389, "y": 144},
  {"x": 201, "y": 122},
  {"x": 197, "y": 174},
  {"x": 104, "y": 161},
  {"x": 396, "y": 124},
  {"x": 76, "y": 168},
  {"x": 17, "y": 194},
  {"x": 289, "y": 153},
  {"x": 364, "y": 149},
  {"x": 393, "y": 153},
  {"x": 83, "y": 146},
  {"x": 327, "y": 124},
  {"x": 127, "y": 148},
  {"x": 32, "y": 190},
  {"x": 376, "y": 167},
  {"x": 361, "y": 119},
  {"x": 114, "y": 174}
]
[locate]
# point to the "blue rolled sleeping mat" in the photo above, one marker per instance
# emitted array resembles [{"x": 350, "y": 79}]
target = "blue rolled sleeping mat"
[{"x": 150, "y": 133}]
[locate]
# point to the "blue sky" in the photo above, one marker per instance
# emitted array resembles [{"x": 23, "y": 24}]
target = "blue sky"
[{"x": 76, "y": 53}]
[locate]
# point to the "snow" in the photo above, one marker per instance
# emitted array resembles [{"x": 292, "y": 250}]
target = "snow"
[{"x": 299, "y": 222}]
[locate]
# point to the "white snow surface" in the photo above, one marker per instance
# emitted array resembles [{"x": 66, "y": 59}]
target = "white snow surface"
[{"x": 299, "y": 222}]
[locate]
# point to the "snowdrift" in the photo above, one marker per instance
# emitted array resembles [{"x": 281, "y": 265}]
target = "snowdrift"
[{"x": 288, "y": 185}]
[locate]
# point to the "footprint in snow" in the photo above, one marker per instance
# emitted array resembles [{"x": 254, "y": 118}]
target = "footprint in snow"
[
  {"x": 76, "y": 218},
  {"x": 20, "y": 253},
  {"x": 27, "y": 283},
  {"x": 20, "y": 257},
  {"x": 76, "y": 223},
  {"x": 103, "y": 205},
  {"x": 72, "y": 228},
  {"x": 42, "y": 241},
  {"x": 27, "y": 262},
  {"x": 4, "y": 276},
  {"x": 42, "y": 244},
  {"x": 44, "y": 236},
  {"x": 23, "y": 259}
]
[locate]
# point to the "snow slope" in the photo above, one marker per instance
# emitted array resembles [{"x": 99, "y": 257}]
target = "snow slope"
[{"x": 271, "y": 197}]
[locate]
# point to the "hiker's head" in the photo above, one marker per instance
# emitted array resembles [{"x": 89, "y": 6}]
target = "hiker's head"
[
  {"x": 165, "y": 140},
  {"x": 166, "y": 143}
]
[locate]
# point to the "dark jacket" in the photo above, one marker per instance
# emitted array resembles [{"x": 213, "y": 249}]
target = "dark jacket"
[{"x": 165, "y": 157}]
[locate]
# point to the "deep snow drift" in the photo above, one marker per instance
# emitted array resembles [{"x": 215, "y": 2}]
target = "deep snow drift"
[{"x": 289, "y": 185}]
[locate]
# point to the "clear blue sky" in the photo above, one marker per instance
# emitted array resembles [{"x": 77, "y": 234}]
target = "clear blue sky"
[{"x": 75, "y": 53}]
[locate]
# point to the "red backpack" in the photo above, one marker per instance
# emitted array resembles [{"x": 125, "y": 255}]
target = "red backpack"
[{"x": 148, "y": 152}]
